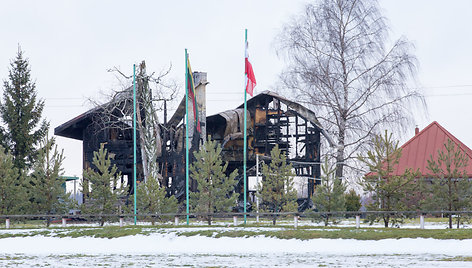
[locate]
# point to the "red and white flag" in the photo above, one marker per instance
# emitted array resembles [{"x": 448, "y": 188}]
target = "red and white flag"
[{"x": 250, "y": 78}]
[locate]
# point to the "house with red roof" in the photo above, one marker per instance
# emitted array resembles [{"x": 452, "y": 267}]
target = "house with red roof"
[{"x": 418, "y": 150}]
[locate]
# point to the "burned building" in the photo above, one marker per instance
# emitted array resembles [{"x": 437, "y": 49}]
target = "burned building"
[
  {"x": 100, "y": 126},
  {"x": 271, "y": 119}
]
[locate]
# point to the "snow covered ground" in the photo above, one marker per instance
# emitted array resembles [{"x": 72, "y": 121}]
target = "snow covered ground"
[
  {"x": 166, "y": 248},
  {"x": 304, "y": 222}
]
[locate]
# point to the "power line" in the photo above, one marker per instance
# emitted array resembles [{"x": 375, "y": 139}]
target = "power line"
[
  {"x": 63, "y": 98},
  {"x": 238, "y": 93},
  {"x": 450, "y": 86},
  {"x": 449, "y": 95},
  {"x": 225, "y": 93},
  {"x": 63, "y": 106}
]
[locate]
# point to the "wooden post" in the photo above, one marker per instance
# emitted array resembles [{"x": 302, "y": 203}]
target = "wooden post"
[
  {"x": 64, "y": 222},
  {"x": 235, "y": 220},
  {"x": 421, "y": 221},
  {"x": 7, "y": 223},
  {"x": 295, "y": 221},
  {"x": 122, "y": 221},
  {"x": 176, "y": 220},
  {"x": 257, "y": 187},
  {"x": 358, "y": 221}
]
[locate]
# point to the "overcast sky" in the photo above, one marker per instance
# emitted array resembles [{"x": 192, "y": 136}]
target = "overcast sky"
[{"x": 71, "y": 44}]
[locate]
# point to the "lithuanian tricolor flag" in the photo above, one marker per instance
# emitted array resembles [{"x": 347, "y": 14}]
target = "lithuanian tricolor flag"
[{"x": 192, "y": 95}]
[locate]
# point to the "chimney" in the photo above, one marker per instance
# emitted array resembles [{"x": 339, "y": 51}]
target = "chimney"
[
  {"x": 200, "y": 79},
  {"x": 417, "y": 130}
]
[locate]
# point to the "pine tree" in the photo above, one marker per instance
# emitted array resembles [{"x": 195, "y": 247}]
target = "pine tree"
[
  {"x": 276, "y": 191},
  {"x": 152, "y": 198},
  {"x": 105, "y": 192},
  {"x": 329, "y": 195},
  {"x": 47, "y": 192},
  {"x": 452, "y": 190},
  {"x": 12, "y": 196},
  {"x": 215, "y": 191},
  {"x": 21, "y": 113},
  {"x": 353, "y": 201},
  {"x": 389, "y": 192}
]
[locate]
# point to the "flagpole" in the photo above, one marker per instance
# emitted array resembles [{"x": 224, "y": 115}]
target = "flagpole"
[
  {"x": 186, "y": 136},
  {"x": 134, "y": 139},
  {"x": 245, "y": 138}
]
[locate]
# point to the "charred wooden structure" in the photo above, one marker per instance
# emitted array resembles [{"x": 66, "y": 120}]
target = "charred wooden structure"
[
  {"x": 271, "y": 120},
  {"x": 117, "y": 135}
]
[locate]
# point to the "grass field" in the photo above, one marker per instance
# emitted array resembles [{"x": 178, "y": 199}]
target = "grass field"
[{"x": 281, "y": 232}]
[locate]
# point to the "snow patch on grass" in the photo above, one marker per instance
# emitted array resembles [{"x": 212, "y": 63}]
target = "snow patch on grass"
[{"x": 166, "y": 248}]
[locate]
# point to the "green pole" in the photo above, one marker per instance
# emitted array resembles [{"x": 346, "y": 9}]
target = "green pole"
[
  {"x": 245, "y": 138},
  {"x": 134, "y": 139},
  {"x": 186, "y": 135}
]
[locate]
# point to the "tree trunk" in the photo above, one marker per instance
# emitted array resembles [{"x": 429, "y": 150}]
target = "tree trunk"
[
  {"x": 386, "y": 220},
  {"x": 274, "y": 219},
  {"x": 340, "y": 149},
  {"x": 142, "y": 141},
  {"x": 209, "y": 204},
  {"x": 450, "y": 202}
]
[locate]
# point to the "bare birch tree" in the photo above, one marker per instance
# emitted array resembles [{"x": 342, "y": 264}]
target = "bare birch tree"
[
  {"x": 339, "y": 64},
  {"x": 152, "y": 94}
]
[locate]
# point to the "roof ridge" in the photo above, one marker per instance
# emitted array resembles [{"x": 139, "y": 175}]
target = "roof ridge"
[
  {"x": 419, "y": 134},
  {"x": 462, "y": 145}
]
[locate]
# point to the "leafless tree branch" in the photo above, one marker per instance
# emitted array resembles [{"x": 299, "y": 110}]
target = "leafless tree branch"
[{"x": 338, "y": 65}]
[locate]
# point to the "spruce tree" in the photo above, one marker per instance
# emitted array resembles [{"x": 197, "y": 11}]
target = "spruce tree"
[
  {"x": 152, "y": 198},
  {"x": 215, "y": 191},
  {"x": 47, "y": 194},
  {"x": 105, "y": 191},
  {"x": 452, "y": 190},
  {"x": 21, "y": 113},
  {"x": 276, "y": 191},
  {"x": 329, "y": 195},
  {"x": 12, "y": 196}
]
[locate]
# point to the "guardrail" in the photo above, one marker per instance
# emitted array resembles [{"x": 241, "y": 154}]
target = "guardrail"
[{"x": 234, "y": 215}]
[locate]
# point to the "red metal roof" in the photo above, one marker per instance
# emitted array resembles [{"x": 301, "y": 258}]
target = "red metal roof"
[{"x": 417, "y": 151}]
